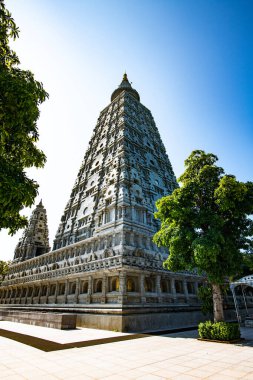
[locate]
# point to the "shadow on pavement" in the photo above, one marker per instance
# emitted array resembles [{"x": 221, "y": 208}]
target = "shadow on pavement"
[{"x": 48, "y": 346}]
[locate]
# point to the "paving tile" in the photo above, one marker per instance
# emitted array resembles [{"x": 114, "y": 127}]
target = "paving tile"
[
  {"x": 218, "y": 364},
  {"x": 132, "y": 374},
  {"x": 150, "y": 377},
  {"x": 179, "y": 368},
  {"x": 220, "y": 377},
  {"x": 248, "y": 363},
  {"x": 97, "y": 373},
  {"x": 155, "y": 357},
  {"x": 167, "y": 373},
  {"x": 13, "y": 377},
  {"x": 4, "y": 374},
  {"x": 233, "y": 373},
  {"x": 43, "y": 377},
  {"x": 196, "y": 363},
  {"x": 149, "y": 369},
  {"x": 115, "y": 377},
  {"x": 203, "y": 373},
  {"x": 245, "y": 369},
  {"x": 184, "y": 377},
  {"x": 79, "y": 377}
]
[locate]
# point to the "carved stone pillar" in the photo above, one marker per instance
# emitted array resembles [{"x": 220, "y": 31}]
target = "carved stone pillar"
[
  {"x": 113, "y": 214},
  {"x": 116, "y": 213},
  {"x": 6, "y": 296},
  {"x": 77, "y": 292},
  {"x": 13, "y": 295},
  {"x": 145, "y": 218},
  {"x": 196, "y": 287},
  {"x": 56, "y": 292},
  {"x": 26, "y": 294},
  {"x": 122, "y": 288},
  {"x": 104, "y": 288},
  {"x": 132, "y": 239},
  {"x": 90, "y": 283},
  {"x": 66, "y": 291},
  {"x": 121, "y": 238},
  {"x": 10, "y": 296},
  {"x": 185, "y": 291},
  {"x": 158, "y": 288},
  {"x": 39, "y": 295},
  {"x": 32, "y": 294},
  {"x": 2, "y": 296},
  {"x": 148, "y": 242},
  {"x": 173, "y": 290},
  {"x": 47, "y": 293},
  {"x": 133, "y": 213},
  {"x": 142, "y": 288}
]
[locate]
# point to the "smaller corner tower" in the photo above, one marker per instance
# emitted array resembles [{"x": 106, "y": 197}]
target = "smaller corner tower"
[{"x": 34, "y": 241}]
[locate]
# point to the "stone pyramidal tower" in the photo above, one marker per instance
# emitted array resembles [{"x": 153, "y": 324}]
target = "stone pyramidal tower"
[
  {"x": 104, "y": 266},
  {"x": 34, "y": 241},
  {"x": 124, "y": 171}
]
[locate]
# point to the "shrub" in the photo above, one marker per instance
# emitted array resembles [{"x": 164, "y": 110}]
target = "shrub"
[
  {"x": 205, "y": 330},
  {"x": 219, "y": 330}
]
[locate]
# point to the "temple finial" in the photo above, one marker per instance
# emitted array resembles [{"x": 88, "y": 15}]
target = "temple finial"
[
  {"x": 125, "y": 77},
  {"x": 125, "y": 85},
  {"x": 40, "y": 204}
]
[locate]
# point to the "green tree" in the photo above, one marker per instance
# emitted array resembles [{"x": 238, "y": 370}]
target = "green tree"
[
  {"x": 20, "y": 97},
  {"x": 205, "y": 223},
  {"x": 4, "y": 269}
]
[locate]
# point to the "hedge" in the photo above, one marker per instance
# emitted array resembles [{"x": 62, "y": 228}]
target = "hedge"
[{"x": 219, "y": 331}]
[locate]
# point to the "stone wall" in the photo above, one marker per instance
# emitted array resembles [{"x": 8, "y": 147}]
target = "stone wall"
[
  {"x": 64, "y": 321},
  {"x": 110, "y": 286}
]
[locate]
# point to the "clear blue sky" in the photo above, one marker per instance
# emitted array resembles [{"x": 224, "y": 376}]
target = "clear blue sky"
[{"x": 190, "y": 61}]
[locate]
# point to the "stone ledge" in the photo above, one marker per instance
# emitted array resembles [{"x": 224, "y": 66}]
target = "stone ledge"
[{"x": 64, "y": 321}]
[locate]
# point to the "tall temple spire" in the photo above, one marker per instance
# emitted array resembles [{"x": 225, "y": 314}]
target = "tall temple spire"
[
  {"x": 34, "y": 241},
  {"x": 124, "y": 171}
]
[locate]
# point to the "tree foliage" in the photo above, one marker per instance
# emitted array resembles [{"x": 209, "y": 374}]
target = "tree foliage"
[
  {"x": 205, "y": 223},
  {"x": 4, "y": 269},
  {"x": 205, "y": 295},
  {"x": 20, "y": 97}
]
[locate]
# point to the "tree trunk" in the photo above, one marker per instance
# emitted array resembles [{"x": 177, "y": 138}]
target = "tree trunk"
[{"x": 218, "y": 312}]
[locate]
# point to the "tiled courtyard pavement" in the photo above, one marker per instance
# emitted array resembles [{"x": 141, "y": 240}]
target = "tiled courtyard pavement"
[{"x": 176, "y": 356}]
